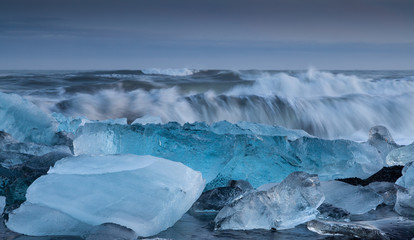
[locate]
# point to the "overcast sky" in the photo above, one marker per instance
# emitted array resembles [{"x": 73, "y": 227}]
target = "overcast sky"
[{"x": 219, "y": 34}]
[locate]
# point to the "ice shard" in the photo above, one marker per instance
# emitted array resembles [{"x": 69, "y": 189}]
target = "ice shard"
[{"x": 290, "y": 203}]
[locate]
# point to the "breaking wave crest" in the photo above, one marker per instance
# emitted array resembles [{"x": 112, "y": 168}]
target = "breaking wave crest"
[{"x": 322, "y": 103}]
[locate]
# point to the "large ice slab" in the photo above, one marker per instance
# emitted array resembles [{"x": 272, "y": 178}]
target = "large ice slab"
[
  {"x": 350, "y": 197},
  {"x": 401, "y": 156},
  {"x": 231, "y": 152},
  {"x": 24, "y": 120},
  {"x": 144, "y": 193},
  {"x": 290, "y": 203}
]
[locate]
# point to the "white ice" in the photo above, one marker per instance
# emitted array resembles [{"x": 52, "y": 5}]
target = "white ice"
[{"x": 144, "y": 193}]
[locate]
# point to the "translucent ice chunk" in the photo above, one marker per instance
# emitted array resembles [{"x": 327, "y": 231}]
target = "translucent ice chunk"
[
  {"x": 381, "y": 139},
  {"x": 405, "y": 195},
  {"x": 387, "y": 190},
  {"x": 354, "y": 199},
  {"x": 70, "y": 125},
  {"x": 290, "y": 203},
  {"x": 10, "y": 145},
  {"x": 39, "y": 220},
  {"x": 407, "y": 178},
  {"x": 24, "y": 120},
  {"x": 266, "y": 187},
  {"x": 405, "y": 202},
  {"x": 401, "y": 156},
  {"x": 144, "y": 193}
]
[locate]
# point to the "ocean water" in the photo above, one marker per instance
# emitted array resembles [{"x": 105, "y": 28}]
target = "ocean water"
[{"x": 327, "y": 104}]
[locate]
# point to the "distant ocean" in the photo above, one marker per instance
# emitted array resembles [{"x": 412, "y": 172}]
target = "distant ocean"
[{"x": 327, "y": 104}]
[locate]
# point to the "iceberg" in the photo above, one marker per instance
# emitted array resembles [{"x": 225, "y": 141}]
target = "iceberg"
[
  {"x": 349, "y": 197},
  {"x": 144, "y": 193},
  {"x": 25, "y": 121},
  {"x": 225, "y": 151},
  {"x": 401, "y": 156},
  {"x": 290, "y": 203}
]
